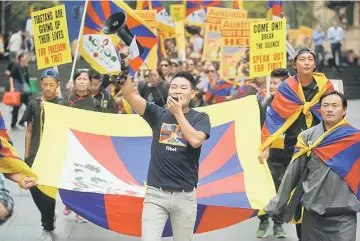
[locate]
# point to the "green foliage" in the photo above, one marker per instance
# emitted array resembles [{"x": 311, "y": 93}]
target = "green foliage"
[
  {"x": 299, "y": 13},
  {"x": 21, "y": 10},
  {"x": 256, "y": 9}
]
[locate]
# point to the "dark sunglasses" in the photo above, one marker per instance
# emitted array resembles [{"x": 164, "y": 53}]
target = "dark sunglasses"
[
  {"x": 162, "y": 65},
  {"x": 209, "y": 71}
]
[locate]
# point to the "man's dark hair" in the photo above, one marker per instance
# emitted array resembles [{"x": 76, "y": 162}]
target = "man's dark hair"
[
  {"x": 20, "y": 56},
  {"x": 304, "y": 50},
  {"x": 283, "y": 74},
  {"x": 335, "y": 92},
  {"x": 95, "y": 75},
  {"x": 188, "y": 76}
]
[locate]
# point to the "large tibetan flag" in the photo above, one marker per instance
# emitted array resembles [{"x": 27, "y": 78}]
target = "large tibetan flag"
[
  {"x": 100, "y": 170},
  {"x": 10, "y": 162},
  {"x": 101, "y": 50},
  {"x": 196, "y": 10},
  {"x": 275, "y": 10},
  {"x": 289, "y": 102},
  {"x": 339, "y": 149}
]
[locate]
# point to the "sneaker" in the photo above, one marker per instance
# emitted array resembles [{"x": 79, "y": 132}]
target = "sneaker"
[
  {"x": 46, "y": 236},
  {"x": 279, "y": 231},
  {"x": 66, "y": 211},
  {"x": 263, "y": 228},
  {"x": 80, "y": 219}
]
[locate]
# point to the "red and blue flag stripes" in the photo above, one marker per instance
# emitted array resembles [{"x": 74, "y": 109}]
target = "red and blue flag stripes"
[
  {"x": 194, "y": 5},
  {"x": 222, "y": 199},
  {"x": 99, "y": 11},
  {"x": 219, "y": 95},
  {"x": 340, "y": 150},
  {"x": 288, "y": 101}
]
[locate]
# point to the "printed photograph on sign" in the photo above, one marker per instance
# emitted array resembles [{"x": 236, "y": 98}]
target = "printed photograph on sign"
[
  {"x": 212, "y": 46},
  {"x": 235, "y": 62},
  {"x": 170, "y": 48}
]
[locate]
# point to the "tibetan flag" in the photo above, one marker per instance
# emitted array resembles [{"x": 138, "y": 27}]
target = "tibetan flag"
[
  {"x": 10, "y": 162},
  {"x": 162, "y": 17},
  {"x": 238, "y": 4},
  {"x": 288, "y": 103},
  {"x": 218, "y": 95},
  {"x": 100, "y": 171},
  {"x": 274, "y": 9},
  {"x": 100, "y": 50},
  {"x": 339, "y": 149},
  {"x": 143, "y": 4},
  {"x": 196, "y": 10}
]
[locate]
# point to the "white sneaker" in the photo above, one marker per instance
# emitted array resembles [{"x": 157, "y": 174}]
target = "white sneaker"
[{"x": 46, "y": 236}]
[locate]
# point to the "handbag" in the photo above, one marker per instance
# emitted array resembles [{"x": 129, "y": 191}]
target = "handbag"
[{"x": 12, "y": 98}]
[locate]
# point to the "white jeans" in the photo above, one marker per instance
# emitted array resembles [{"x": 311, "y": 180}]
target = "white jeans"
[{"x": 159, "y": 205}]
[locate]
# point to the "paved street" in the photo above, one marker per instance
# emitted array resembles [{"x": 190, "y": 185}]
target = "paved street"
[{"x": 25, "y": 223}]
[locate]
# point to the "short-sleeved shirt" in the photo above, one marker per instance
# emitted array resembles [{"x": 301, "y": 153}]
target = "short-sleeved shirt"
[
  {"x": 32, "y": 113},
  {"x": 174, "y": 163}
]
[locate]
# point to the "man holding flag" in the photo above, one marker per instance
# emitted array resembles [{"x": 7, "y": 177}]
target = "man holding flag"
[
  {"x": 295, "y": 107},
  {"x": 325, "y": 174}
]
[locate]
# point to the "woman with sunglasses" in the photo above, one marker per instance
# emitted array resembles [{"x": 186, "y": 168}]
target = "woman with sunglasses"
[{"x": 165, "y": 69}]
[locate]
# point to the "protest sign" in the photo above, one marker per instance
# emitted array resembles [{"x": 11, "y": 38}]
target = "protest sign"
[
  {"x": 235, "y": 43},
  {"x": 149, "y": 16},
  {"x": 177, "y": 12},
  {"x": 51, "y": 37},
  {"x": 212, "y": 38},
  {"x": 267, "y": 47}
]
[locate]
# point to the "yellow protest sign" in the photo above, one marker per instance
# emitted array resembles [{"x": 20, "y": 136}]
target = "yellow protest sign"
[
  {"x": 212, "y": 37},
  {"x": 51, "y": 37},
  {"x": 177, "y": 12},
  {"x": 149, "y": 16},
  {"x": 235, "y": 43},
  {"x": 267, "y": 47}
]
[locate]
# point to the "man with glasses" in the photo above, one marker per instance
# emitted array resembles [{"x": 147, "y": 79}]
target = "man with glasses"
[{"x": 295, "y": 108}]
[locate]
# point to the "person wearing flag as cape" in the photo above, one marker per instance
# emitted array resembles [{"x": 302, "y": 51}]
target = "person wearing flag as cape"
[
  {"x": 323, "y": 177},
  {"x": 295, "y": 108},
  {"x": 14, "y": 169}
]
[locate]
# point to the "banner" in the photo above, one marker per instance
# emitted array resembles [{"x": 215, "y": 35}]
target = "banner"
[
  {"x": 267, "y": 47},
  {"x": 212, "y": 38},
  {"x": 112, "y": 179},
  {"x": 149, "y": 16},
  {"x": 51, "y": 37},
  {"x": 235, "y": 43},
  {"x": 177, "y": 12}
]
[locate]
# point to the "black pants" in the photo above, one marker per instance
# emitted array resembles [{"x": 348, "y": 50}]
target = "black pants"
[
  {"x": 336, "y": 52},
  {"x": 44, "y": 203},
  {"x": 320, "y": 57},
  {"x": 15, "y": 113},
  {"x": 277, "y": 165}
]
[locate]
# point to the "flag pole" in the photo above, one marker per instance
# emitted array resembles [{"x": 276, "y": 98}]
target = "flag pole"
[{"x": 78, "y": 42}]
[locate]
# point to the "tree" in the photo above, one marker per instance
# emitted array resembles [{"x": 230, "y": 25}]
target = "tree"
[
  {"x": 21, "y": 10},
  {"x": 299, "y": 13}
]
